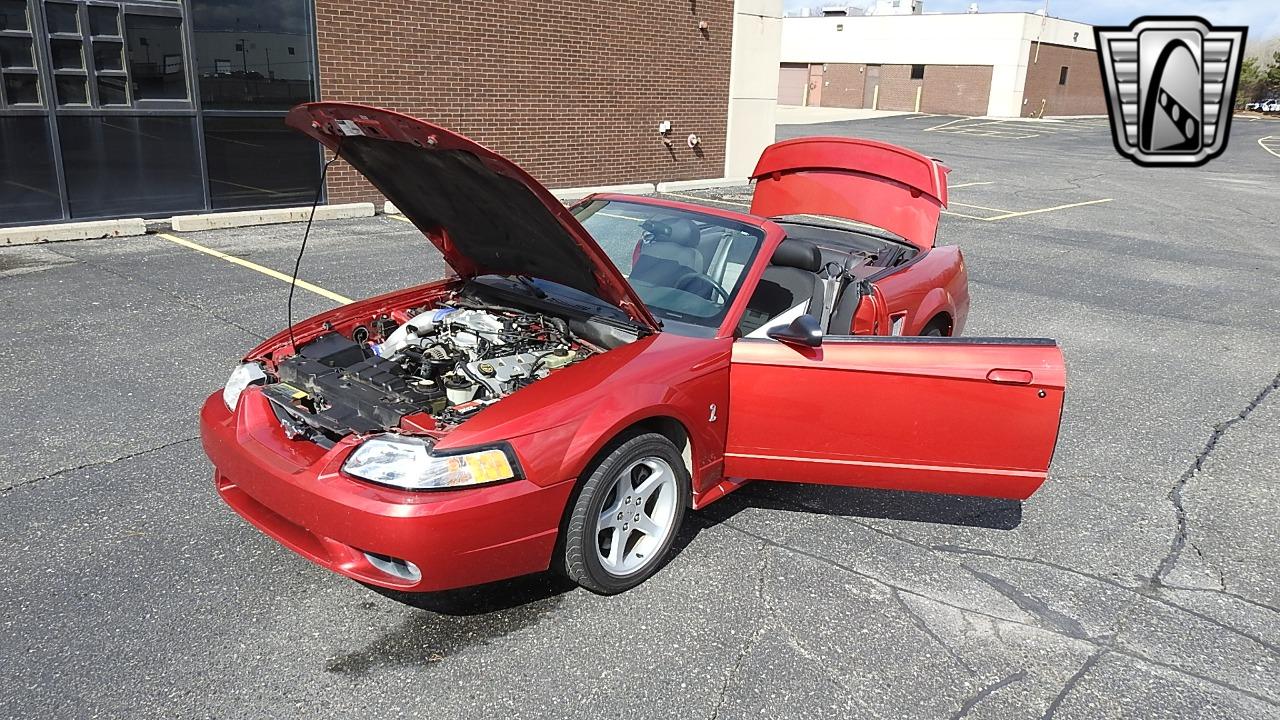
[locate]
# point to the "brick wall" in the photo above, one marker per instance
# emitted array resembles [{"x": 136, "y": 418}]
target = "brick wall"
[
  {"x": 844, "y": 84},
  {"x": 897, "y": 89},
  {"x": 1082, "y": 95},
  {"x": 956, "y": 89},
  {"x": 570, "y": 90}
]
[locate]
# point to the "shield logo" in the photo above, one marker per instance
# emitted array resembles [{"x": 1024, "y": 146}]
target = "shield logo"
[{"x": 1170, "y": 85}]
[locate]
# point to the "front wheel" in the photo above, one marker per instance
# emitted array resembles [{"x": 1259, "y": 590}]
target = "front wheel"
[{"x": 627, "y": 515}]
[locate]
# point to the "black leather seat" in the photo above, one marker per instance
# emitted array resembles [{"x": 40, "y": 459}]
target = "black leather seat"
[
  {"x": 670, "y": 253},
  {"x": 791, "y": 279}
]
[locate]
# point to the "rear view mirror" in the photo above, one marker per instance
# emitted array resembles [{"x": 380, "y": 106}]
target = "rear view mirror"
[{"x": 804, "y": 331}]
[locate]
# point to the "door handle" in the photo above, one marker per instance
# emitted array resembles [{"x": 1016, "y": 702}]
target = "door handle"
[{"x": 1010, "y": 377}]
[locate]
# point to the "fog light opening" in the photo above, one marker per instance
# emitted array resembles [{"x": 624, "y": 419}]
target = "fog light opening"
[{"x": 395, "y": 567}]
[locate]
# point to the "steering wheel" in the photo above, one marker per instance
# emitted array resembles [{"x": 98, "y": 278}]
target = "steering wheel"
[{"x": 704, "y": 279}]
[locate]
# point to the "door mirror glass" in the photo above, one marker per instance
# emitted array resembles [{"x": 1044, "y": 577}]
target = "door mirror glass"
[{"x": 804, "y": 331}]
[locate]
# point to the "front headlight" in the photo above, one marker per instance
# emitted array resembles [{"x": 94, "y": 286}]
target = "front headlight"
[
  {"x": 407, "y": 462},
  {"x": 241, "y": 378}
]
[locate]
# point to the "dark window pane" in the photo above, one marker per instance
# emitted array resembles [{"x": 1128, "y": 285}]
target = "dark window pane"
[
  {"x": 62, "y": 18},
  {"x": 16, "y": 52},
  {"x": 256, "y": 162},
  {"x": 67, "y": 54},
  {"x": 118, "y": 165},
  {"x": 104, "y": 20},
  {"x": 72, "y": 89},
  {"x": 13, "y": 15},
  {"x": 108, "y": 56},
  {"x": 21, "y": 89},
  {"x": 112, "y": 90},
  {"x": 253, "y": 54},
  {"x": 155, "y": 57},
  {"x": 28, "y": 184}
]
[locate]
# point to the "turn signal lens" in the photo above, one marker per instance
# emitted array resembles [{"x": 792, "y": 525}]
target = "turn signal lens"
[{"x": 407, "y": 462}]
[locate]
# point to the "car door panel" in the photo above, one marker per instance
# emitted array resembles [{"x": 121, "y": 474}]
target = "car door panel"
[{"x": 969, "y": 416}]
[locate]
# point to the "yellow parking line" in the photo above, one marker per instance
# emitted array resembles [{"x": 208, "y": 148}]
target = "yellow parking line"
[
  {"x": 1048, "y": 209},
  {"x": 340, "y": 299},
  {"x": 402, "y": 219},
  {"x": 945, "y": 124},
  {"x": 1262, "y": 144},
  {"x": 969, "y": 217}
]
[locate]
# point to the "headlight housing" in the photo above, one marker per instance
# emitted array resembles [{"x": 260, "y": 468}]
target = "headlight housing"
[
  {"x": 408, "y": 462},
  {"x": 241, "y": 378}
]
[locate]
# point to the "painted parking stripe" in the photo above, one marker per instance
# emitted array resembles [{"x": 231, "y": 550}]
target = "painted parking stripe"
[
  {"x": 303, "y": 284},
  {"x": 1048, "y": 209},
  {"x": 970, "y": 184},
  {"x": 980, "y": 207},
  {"x": 1271, "y": 144}
]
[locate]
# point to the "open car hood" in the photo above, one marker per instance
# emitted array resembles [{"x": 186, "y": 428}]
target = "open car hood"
[
  {"x": 870, "y": 182},
  {"x": 485, "y": 214}
]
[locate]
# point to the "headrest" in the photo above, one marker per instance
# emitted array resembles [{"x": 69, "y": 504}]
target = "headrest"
[
  {"x": 681, "y": 231},
  {"x": 798, "y": 254}
]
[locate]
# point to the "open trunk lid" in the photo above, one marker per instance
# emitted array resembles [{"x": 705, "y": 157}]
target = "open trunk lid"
[
  {"x": 485, "y": 214},
  {"x": 870, "y": 182}
]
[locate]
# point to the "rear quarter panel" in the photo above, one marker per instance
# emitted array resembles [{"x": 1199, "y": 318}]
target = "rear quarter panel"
[{"x": 935, "y": 283}]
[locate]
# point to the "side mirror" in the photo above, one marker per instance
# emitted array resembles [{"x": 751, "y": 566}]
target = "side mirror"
[{"x": 804, "y": 331}]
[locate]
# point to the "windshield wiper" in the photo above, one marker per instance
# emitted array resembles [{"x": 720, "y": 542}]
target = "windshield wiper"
[{"x": 525, "y": 281}]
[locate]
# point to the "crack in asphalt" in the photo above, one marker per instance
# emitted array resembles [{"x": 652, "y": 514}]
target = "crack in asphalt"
[
  {"x": 982, "y": 694},
  {"x": 1057, "y": 622},
  {"x": 1141, "y": 591},
  {"x": 1072, "y": 682},
  {"x": 96, "y": 463},
  {"x": 924, "y": 628},
  {"x": 191, "y": 304},
  {"x": 1103, "y": 643},
  {"x": 741, "y": 659},
  {"x": 1179, "y": 542}
]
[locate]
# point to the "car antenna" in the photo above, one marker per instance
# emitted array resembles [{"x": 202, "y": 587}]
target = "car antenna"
[{"x": 297, "y": 263}]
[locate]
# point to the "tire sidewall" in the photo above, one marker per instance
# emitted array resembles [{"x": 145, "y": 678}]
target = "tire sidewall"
[{"x": 581, "y": 558}]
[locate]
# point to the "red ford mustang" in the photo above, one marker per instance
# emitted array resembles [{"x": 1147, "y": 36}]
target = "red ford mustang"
[{"x": 588, "y": 374}]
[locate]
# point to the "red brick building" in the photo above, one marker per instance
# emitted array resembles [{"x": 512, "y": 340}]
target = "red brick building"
[{"x": 142, "y": 108}]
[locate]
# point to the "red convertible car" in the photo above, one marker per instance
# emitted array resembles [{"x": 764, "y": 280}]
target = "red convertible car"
[{"x": 587, "y": 375}]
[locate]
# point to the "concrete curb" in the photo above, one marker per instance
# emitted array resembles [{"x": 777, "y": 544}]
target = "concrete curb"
[
  {"x": 248, "y": 218},
  {"x": 578, "y": 193},
  {"x": 34, "y": 234},
  {"x": 682, "y": 185}
]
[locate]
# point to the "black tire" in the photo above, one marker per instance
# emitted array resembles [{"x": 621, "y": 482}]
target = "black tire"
[
  {"x": 581, "y": 561},
  {"x": 935, "y": 329}
]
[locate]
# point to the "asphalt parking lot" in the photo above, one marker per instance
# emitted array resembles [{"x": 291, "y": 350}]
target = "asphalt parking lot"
[{"x": 1140, "y": 581}]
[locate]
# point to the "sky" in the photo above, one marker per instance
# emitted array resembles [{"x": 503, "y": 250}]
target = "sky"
[{"x": 1261, "y": 16}]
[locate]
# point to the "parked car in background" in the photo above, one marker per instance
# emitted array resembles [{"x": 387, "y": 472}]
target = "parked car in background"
[
  {"x": 588, "y": 374},
  {"x": 1256, "y": 105},
  {"x": 1270, "y": 106}
]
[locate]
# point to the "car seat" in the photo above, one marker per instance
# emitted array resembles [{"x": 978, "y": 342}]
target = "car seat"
[
  {"x": 791, "y": 279},
  {"x": 669, "y": 253}
]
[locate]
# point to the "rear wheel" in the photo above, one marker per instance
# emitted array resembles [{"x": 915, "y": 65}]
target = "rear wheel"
[{"x": 627, "y": 515}]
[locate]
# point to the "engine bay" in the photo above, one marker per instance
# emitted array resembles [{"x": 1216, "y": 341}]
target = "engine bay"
[{"x": 440, "y": 365}]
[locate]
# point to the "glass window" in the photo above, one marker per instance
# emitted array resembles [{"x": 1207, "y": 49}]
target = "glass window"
[
  {"x": 72, "y": 89},
  {"x": 28, "y": 181},
  {"x": 62, "y": 18},
  {"x": 108, "y": 55},
  {"x": 258, "y": 161},
  {"x": 113, "y": 90},
  {"x": 21, "y": 89},
  {"x": 1062, "y": 75},
  {"x": 253, "y": 54},
  {"x": 104, "y": 20},
  {"x": 67, "y": 54},
  {"x": 917, "y": 72},
  {"x": 686, "y": 266},
  {"x": 155, "y": 57},
  {"x": 124, "y": 165},
  {"x": 13, "y": 15},
  {"x": 16, "y": 53}
]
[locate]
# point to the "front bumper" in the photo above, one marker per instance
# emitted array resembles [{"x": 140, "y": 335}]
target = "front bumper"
[{"x": 295, "y": 492}]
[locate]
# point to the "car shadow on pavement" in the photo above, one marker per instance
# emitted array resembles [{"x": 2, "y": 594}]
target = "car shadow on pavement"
[
  {"x": 991, "y": 513},
  {"x": 487, "y": 598}
]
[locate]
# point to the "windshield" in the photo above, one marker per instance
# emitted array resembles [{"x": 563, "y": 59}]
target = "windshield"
[{"x": 686, "y": 266}]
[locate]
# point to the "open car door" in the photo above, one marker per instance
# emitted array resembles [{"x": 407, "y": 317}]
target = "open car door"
[{"x": 966, "y": 416}]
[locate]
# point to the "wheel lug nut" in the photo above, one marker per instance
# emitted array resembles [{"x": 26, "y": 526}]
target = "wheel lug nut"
[
  {"x": 619, "y": 516},
  {"x": 637, "y": 517}
]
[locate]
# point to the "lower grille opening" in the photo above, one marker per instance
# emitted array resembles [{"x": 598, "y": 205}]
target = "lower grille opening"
[{"x": 395, "y": 567}]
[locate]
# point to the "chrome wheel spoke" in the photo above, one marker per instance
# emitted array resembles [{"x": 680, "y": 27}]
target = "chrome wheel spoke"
[
  {"x": 658, "y": 476},
  {"x": 617, "y": 549},
  {"x": 646, "y": 525},
  {"x": 631, "y": 531}
]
